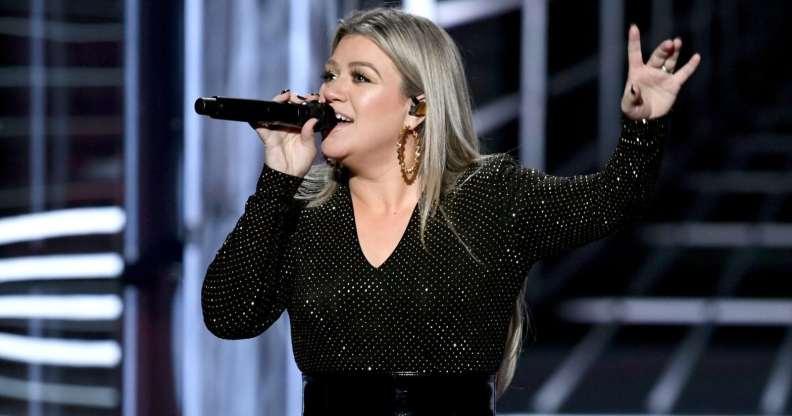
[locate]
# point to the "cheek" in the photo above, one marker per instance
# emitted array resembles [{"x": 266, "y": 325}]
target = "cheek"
[{"x": 381, "y": 115}]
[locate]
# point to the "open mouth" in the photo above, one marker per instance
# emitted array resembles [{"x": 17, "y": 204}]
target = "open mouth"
[{"x": 342, "y": 121}]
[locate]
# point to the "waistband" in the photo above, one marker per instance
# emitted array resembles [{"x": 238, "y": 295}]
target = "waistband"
[{"x": 398, "y": 394}]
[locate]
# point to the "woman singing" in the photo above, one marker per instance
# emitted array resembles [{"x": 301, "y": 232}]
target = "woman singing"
[{"x": 402, "y": 261}]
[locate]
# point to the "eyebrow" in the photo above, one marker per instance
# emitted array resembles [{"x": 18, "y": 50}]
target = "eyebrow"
[{"x": 356, "y": 63}]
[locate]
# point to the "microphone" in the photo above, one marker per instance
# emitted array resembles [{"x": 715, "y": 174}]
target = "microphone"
[{"x": 270, "y": 112}]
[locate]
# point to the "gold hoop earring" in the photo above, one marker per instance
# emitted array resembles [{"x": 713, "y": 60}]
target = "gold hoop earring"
[{"x": 409, "y": 174}]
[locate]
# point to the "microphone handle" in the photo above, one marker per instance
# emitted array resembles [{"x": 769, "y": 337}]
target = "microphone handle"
[{"x": 271, "y": 112}]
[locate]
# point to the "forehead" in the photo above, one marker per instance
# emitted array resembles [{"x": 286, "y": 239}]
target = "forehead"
[{"x": 357, "y": 48}]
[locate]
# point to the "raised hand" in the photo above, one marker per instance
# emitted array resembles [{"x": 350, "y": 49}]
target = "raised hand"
[
  {"x": 289, "y": 150},
  {"x": 652, "y": 87}
]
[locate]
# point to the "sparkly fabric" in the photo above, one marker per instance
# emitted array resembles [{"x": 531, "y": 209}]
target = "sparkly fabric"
[{"x": 440, "y": 312}]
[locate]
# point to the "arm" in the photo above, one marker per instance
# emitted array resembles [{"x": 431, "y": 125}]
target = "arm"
[
  {"x": 244, "y": 290},
  {"x": 544, "y": 214},
  {"x": 547, "y": 213}
]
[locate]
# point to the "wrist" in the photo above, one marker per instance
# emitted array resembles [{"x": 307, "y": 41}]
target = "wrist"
[
  {"x": 286, "y": 172},
  {"x": 645, "y": 132}
]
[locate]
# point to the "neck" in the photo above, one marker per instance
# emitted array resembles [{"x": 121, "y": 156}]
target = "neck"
[{"x": 383, "y": 191}]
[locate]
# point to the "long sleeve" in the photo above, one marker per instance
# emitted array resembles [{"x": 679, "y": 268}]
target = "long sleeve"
[
  {"x": 544, "y": 214},
  {"x": 244, "y": 290}
]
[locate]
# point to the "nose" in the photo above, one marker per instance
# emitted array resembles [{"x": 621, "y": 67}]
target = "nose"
[{"x": 332, "y": 91}]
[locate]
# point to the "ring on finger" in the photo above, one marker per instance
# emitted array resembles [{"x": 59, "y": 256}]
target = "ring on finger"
[{"x": 666, "y": 70}]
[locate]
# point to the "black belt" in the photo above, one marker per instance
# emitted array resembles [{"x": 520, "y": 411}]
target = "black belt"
[{"x": 398, "y": 394}]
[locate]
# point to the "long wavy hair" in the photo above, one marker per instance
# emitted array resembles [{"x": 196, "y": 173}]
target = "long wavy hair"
[{"x": 429, "y": 63}]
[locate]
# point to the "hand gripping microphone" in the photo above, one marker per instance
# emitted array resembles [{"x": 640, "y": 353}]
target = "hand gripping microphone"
[{"x": 269, "y": 112}]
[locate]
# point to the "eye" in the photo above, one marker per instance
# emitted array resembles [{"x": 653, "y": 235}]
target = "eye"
[
  {"x": 327, "y": 76},
  {"x": 359, "y": 77}
]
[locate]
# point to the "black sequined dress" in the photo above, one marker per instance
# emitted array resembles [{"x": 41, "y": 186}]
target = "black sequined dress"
[{"x": 419, "y": 313}]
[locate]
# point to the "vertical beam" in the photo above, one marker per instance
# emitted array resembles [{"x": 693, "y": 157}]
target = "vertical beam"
[
  {"x": 191, "y": 374},
  {"x": 666, "y": 392},
  {"x": 131, "y": 134},
  {"x": 299, "y": 80},
  {"x": 129, "y": 360},
  {"x": 331, "y": 16},
  {"x": 776, "y": 393},
  {"x": 38, "y": 107},
  {"x": 38, "y": 174},
  {"x": 559, "y": 386},
  {"x": 159, "y": 102},
  {"x": 533, "y": 83},
  {"x": 192, "y": 215},
  {"x": 300, "y": 45},
  {"x": 612, "y": 64},
  {"x": 131, "y": 248},
  {"x": 59, "y": 97}
]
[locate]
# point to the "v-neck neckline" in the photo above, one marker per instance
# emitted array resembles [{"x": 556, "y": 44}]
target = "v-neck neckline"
[{"x": 356, "y": 237}]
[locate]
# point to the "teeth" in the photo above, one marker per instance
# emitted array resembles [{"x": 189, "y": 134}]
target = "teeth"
[{"x": 342, "y": 118}]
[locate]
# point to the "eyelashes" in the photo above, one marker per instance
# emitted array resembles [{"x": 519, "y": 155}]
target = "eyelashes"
[
  {"x": 359, "y": 77},
  {"x": 356, "y": 76}
]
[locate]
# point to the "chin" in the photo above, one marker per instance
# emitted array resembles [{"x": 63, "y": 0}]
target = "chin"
[{"x": 334, "y": 150}]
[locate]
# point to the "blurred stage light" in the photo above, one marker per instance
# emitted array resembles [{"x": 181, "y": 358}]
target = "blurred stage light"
[
  {"x": 65, "y": 307},
  {"x": 72, "y": 266},
  {"x": 59, "y": 352},
  {"x": 459, "y": 12},
  {"x": 425, "y": 8},
  {"x": 64, "y": 31},
  {"x": 722, "y": 234},
  {"x": 57, "y": 393},
  {"x": 679, "y": 311},
  {"x": 62, "y": 223}
]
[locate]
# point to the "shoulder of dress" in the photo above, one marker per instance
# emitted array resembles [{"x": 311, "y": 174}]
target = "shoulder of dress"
[
  {"x": 498, "y": 167},
  {"x": 485, "y": 173},
  {"x": 488, "y": 164}
]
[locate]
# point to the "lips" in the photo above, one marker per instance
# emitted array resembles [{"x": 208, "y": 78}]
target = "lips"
[
  {"x": 342, "y": 119},
  {"x": 338, "y": 126}
]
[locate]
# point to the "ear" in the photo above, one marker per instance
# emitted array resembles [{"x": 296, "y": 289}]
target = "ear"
[{"x": 417, "y": 112}]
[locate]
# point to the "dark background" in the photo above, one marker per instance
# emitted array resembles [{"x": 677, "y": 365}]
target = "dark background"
[{"x": 716, "y": 239}]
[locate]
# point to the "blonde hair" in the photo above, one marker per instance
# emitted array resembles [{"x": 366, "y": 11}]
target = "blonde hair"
[{"x": 429, "y": 63}]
